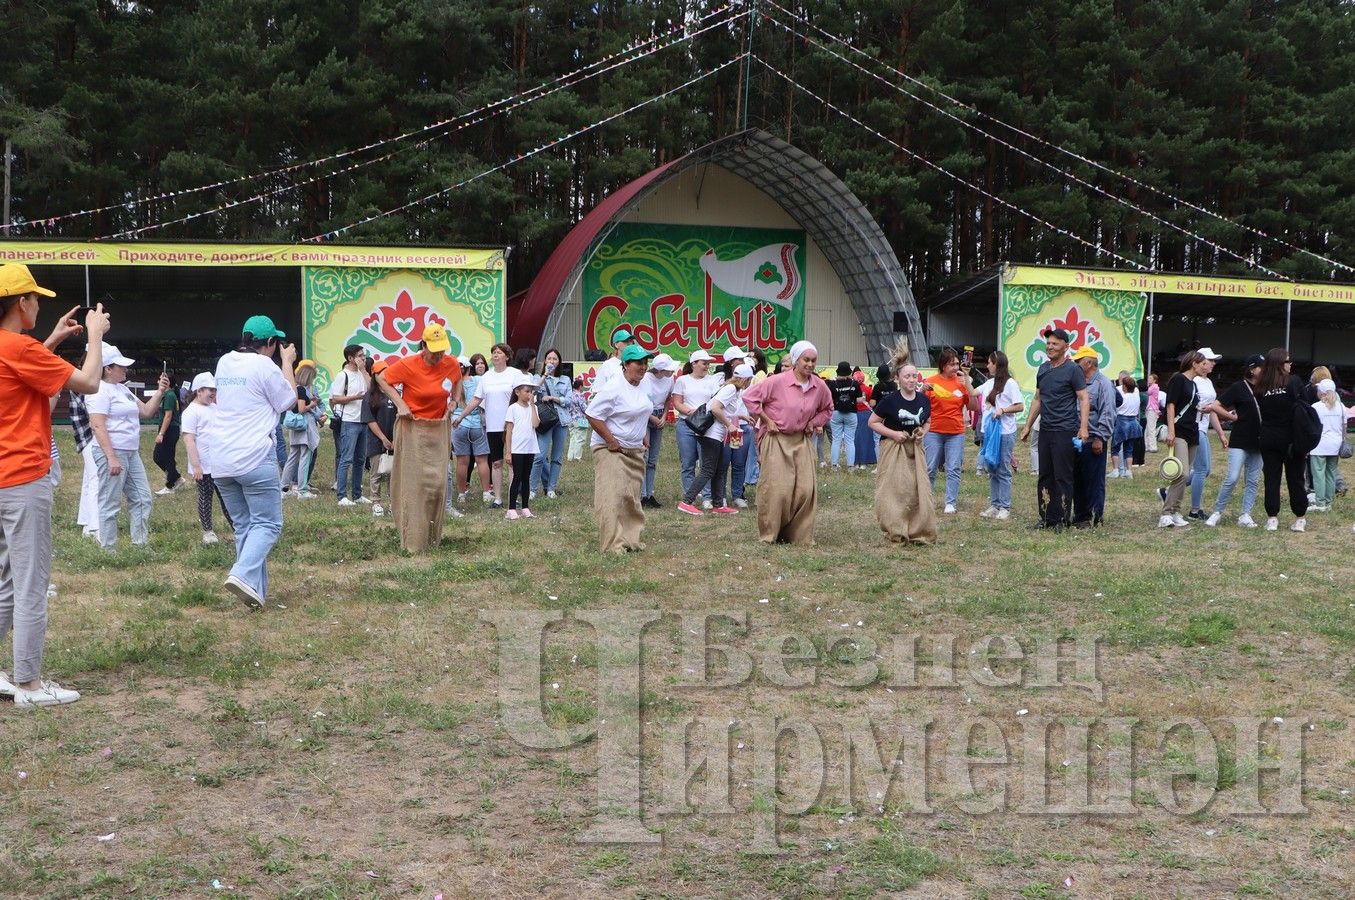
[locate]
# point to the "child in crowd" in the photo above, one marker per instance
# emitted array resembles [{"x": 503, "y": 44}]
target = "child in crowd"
[
  {"x": 578, "y": 422},
  {"x": 520, "y": 439},
  {"x": 196, "y": 428}
]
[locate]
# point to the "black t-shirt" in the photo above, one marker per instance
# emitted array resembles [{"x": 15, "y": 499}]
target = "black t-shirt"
[
  {"x": 1246, "y": 431},
  {"x": 846, "y": 391},
  {"x": 883, "y": 389},
  {"x": 902, "y": 414},
  {"x": 1182, "y": 393},
  {"x": 1277, "y": 410},
  {"x": 384, "y": 416}
]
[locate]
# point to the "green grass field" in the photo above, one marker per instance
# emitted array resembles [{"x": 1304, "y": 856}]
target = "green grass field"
[{"x": 349, "y": 741}]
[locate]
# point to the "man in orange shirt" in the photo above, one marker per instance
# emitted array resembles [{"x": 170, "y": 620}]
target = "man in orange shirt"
[
  {"x": 422, "y": 436},
  {"x": 30, "y": 374}
]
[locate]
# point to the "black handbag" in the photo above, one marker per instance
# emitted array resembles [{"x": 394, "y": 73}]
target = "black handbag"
[
  {"x": 548, "y": 417},
  {"x": 700, "y": 420}
]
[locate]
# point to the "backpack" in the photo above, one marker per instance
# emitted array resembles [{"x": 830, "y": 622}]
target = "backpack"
[{"x": 1307, "y": 430}]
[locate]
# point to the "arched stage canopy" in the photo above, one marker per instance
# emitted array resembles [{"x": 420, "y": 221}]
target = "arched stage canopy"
[{"x": 805, "y": 188}]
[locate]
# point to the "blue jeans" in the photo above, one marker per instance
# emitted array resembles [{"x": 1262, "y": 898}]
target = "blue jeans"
[
  {"x": 546, "y": 466},
  {"x": 689, "y": 452},
  {"x": 280, "y": 444},
  {"x": 1237, "y": 460},
  {"x": 738, "y": 464},
  {"x": 350, "y": 458},
  {"x": 652, "y": 461},
  {"x": 1000, "y": 479},
  {"x": 1199, "y": 472},
  {"x": 254, "y": 501},
  {"x": 950, "y": 448},
  {"x": 752, "y": 469},
  {"x": 844, "y": 435}
]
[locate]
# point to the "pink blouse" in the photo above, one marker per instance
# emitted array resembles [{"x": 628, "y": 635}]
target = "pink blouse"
[{"x": 790, "y": 405}]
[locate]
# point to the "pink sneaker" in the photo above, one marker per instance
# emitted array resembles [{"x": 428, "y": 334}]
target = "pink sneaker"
[
  {"x": 511, "y": 515},
  {"x": 527, "y": 513},
  {"x": 690, "y": 510},
  {"x": 724, "y": 510}
]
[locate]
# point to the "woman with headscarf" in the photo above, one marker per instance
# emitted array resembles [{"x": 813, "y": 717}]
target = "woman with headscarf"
[
  {"x": 790, "y": 410},
  {"x": 1327, "y": 454},
  {"x": 903, "y": 493},
  {"x": 619, "y": 415},
  {"x": 422, "y": 438}
]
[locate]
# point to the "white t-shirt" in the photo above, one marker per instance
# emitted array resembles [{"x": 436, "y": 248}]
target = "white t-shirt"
[
  {"x": 696, "y": 391},
  {"x": 495, "y": 391},
  {"x": 250, "y": 394},
  {"x": 1010, "y": 396},
  {"x": 524, "y": 433},
  {"x": 659, "y": 389},
  {"x": 198, "y": 421},
  {"x": 730, "y": 402},
  {"x": 626, "y": 410},
  {"x": 1129, "y": 406},
  {"x": 345, "y": 384},
  {"x": 1333, "y": 429},
  {"x": 118, "y": 403},
  {"x": 1208, "y": 394},
  {"x": 606, "y": 373}
]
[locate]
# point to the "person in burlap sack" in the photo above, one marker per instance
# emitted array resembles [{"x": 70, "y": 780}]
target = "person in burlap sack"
[
  {"x": 790, "y": 409},
  {"x": 422, "y": 437},
  {"x": 619, "y": 415},
  {"x": 903, "y": 495}
]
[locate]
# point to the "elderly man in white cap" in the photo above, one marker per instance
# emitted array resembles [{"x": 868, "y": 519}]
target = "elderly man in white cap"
[
  {"x": 658, "y": 384},
  {"x": 690, "y": 393},
  {"x": 791, "y": 409}
]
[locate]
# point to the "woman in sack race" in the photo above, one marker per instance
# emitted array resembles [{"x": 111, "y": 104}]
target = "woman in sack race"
[
  {"x": 301, "y": 427},
  {"x": 791, "y": 409},
  {"x": 552, "y": 399},
  {"x": 903, "y": 492},
  {"x": 423, "y": 440},
  {"x": 619, "y": 415}
]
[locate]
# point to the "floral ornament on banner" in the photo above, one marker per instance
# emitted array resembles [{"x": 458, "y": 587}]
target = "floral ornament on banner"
[
  {"x": 1081, "y": 333},
  {"x": 394, "y": 332}
]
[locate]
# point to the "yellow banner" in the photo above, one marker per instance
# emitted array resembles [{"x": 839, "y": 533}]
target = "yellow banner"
[
  {"x": 1199, "y": 285},
  {"x": 59, "y": 253}
]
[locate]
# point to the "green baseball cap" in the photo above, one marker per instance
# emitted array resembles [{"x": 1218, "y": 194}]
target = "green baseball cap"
[
  {"x": 622, "y": 334},
  {"x": 634, "y": 352},
  {"x": 261, "y": 327}
]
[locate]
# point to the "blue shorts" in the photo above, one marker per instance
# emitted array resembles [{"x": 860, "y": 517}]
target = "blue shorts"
[{"x": 468, "y": 441}]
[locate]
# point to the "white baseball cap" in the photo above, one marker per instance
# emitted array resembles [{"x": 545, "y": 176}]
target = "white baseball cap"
[
  {"x": 1208, "y": 353},
  {"x": 1326, "y": 386},
  {"x": 112, "y": 356},
  {"x": 663, "y": 363},
  {"x": 463, "y": 360},
  {"x": 700, "y": 356},
  {"x": 203, "y": 380},
  {"x": 522, "y": 379},
  {"x": 743, "y": 371},
  {"x": 733, "y": 352}
]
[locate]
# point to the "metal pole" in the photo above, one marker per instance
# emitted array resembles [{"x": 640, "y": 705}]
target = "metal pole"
[
  {"x": 6, "y": 209},
  {"x": 1152, "y": 315},
  {"x": 1288, "y": 314},
  {"x": 87, "y": 297}
]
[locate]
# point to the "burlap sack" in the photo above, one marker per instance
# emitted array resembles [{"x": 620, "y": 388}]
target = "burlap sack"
[
  {"x": 419, "y": 481},
  {"x": 617, "y": 480},
  {"x": 787, "y": 488},
  {"x": 903, "y": 493}
]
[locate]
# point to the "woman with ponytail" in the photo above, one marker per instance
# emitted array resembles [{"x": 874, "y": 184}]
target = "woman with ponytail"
[{"x": 1000, "y": 397}]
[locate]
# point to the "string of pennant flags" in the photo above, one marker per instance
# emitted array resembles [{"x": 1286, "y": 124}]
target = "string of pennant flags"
[
  {"x": 1101, "y": 167},
  {"x": 495, "y": 110},
  {"x": 1100, "y": 251},
  {"x": 637, "y": 49},
  {"x": 1071, "y": 176},
  {"x": 517, "y": 158}
]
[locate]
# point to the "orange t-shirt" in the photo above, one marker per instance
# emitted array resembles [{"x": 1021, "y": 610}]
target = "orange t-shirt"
[
  {"x": 424, "y": 394},
  {"x": 948, "y": 411},
  {"x": 29, "y": 375}
]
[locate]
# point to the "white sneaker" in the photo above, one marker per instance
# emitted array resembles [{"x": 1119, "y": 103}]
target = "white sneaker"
[
  {"x": 344, "y": 501},
  {"x": 950, "y": 509},
  {"x": 531, "y": 495},
  {"x": 1178, "y": 521},
  {"x": 1127, "y": 474},
  {"x": 209, "y": 537},
  {"x": 1165, "y": 522},
  {"x": 1246, "y": 521},
  {"x": 823, "y": 465},
  {"x": 455, "y": 513},
  {"x": 741, "y": 503},
  {"x": 366, "y": 500},
  {"x": 7, "y": 687},
  {"x": 292, "y": 492},
  {"x": 1213, "y": 519},
  {"x": 706, "y": 504},
  {"x": 1003, "y": 514},
  {"x": 461, "y": 497},
  {"x": 1299, "y": 524},
  {"x": 1272, "y": 524},
  {"x": 305, "y": 495},
  {"x": 1312, "y": 498},
  {"x": 1114, "y": 473},
  {"x": 551, "y": 495},
  {"x": 487, "y": 497},
  {"x": 49, "y": 693},
  {"x": 244, "y": 593},
  {"x": 164, "y": 492},
  {"x": 378, "y": 510},
  {"x": 988, "y": 513}
]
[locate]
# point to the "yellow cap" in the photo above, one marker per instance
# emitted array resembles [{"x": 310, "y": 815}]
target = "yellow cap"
[
  {"x": 304, "y": 362},
  {"x": 435, "y": 338},
  {"x": 1086, "y": 353},
  {"x": 15, "y": 279}
]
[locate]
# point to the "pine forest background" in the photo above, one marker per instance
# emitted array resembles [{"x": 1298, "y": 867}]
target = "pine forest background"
[{"x": 1241, "y": 107}]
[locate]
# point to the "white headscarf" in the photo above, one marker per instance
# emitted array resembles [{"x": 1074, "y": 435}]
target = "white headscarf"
[{"x": 799, "y": 349}]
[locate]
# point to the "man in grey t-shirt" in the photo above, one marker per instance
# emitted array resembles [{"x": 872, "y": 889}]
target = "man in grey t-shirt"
[
  {"x": 1089, "y": 481},
  {"x": 1062, "y": 404}
]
